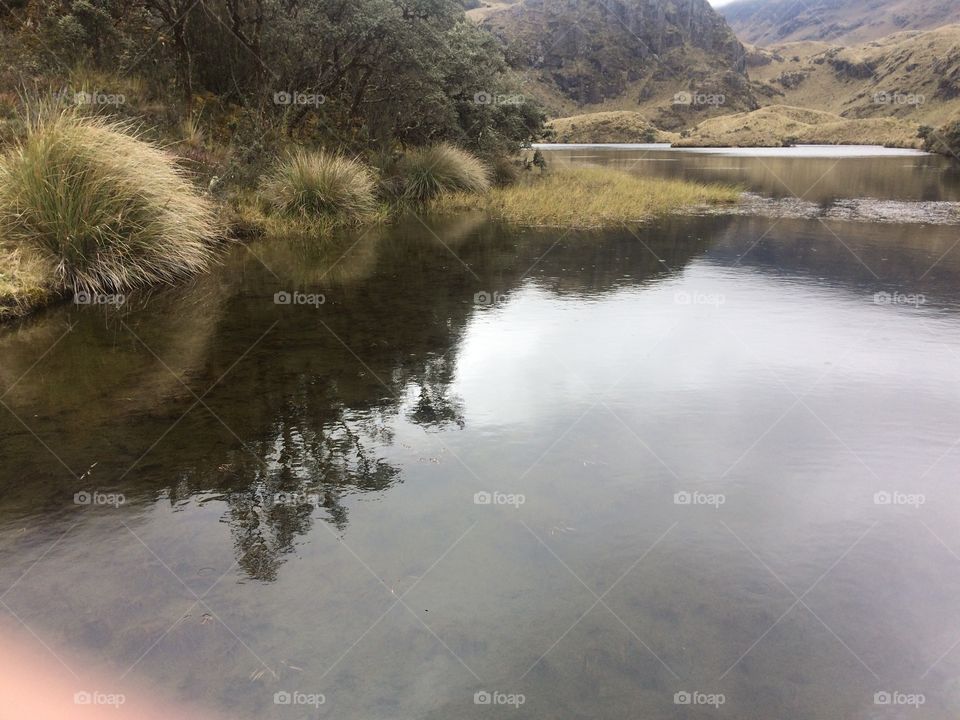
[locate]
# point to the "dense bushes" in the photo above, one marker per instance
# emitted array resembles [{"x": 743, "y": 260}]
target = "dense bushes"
[
  {"x": 362, "y": 75},
  {"x": 945, "y": 141}
]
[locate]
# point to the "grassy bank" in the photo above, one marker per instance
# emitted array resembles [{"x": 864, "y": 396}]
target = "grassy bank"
[
  {"x": 87, "y": 205},
  {"x": 587, "y": 197}
]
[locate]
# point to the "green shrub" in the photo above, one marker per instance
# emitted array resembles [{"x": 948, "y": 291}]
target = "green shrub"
[
  {"x": 315, "y": 185},
  {"x": 945, "y": 141},
  {"x": 431, "y": 171},
  {"x": 505, "y": 172},
  {"x": 104, "y": 210}
]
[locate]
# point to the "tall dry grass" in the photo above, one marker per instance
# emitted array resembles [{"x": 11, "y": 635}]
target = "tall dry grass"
[
  {"x": 428, "y": 172},
  {"x": 24, "y": 283},
  {"x": 103, "y": 209},
  {"x": 321, "y": 185},
  {"x": 588, "y": 197}
]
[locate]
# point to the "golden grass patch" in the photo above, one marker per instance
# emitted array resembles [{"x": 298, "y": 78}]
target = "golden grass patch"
[{"x": 587, "y": 197}]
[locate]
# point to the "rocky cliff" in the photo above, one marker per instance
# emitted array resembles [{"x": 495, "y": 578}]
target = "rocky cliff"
[{"x": 672, "y": 59}]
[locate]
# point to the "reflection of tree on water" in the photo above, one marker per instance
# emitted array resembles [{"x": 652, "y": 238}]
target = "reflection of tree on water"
[
  {"x": 433, "y": 406},
  {"x": 308, "y": 411}
]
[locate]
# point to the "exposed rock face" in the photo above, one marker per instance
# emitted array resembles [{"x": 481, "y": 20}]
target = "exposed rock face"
[{"x": 593, "y": 51}]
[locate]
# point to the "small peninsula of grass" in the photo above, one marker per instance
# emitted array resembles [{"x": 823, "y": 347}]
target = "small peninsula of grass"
[{"x": 587, "y": 198}]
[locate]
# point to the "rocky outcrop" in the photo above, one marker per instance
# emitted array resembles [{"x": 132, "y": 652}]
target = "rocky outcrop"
[{"x": 592, "y": 51}]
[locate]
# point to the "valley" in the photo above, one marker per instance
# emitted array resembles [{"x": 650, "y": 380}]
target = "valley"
[{"x": 752, "y": 73}]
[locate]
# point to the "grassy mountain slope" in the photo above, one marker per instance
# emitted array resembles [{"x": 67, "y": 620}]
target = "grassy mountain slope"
[
  {"x": 912, "y": 76},
  {"x": 617, "y": 126},
  {"x": 779, "y": 125},
  {"x": 633, "y": 55},
  {"x": 767, "y": 22}
]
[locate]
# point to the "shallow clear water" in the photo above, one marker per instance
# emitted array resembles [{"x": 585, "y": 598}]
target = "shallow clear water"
[{"x": 310, "y": 472}]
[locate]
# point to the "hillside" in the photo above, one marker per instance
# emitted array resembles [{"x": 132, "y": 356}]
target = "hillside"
[
  {"x": 913, "y": 76},
  {"x": 675, "y": 61},
  {"x": 618, "y": 126},
  {"x": 768, "y": 22},
  {"x": 779, "y": 125}
]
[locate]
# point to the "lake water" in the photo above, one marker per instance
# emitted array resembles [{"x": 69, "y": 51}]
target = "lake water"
[{"x": 712, "y": 459}]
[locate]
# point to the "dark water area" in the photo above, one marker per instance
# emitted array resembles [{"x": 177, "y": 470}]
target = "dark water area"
[{"x": 711, "y": 455}]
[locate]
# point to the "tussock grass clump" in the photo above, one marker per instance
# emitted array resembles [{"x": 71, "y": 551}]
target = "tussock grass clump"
[
  {"x": 428, "y": 172},
  {"x": 24, "y": 283},
  {"x": 588, "y": 197},
  {"x": 102, "y": 209},
  {"x": 321, "y": 186}
]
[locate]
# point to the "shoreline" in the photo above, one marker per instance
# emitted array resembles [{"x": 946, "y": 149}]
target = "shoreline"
[{"x": 845, "y": 150}]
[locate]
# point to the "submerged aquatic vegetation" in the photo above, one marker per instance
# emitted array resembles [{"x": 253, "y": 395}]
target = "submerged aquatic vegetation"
[{"x": 100, "y": 208}]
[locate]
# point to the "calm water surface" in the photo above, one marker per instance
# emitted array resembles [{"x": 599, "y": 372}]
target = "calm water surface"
[{"x": 720, "y": 453}]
